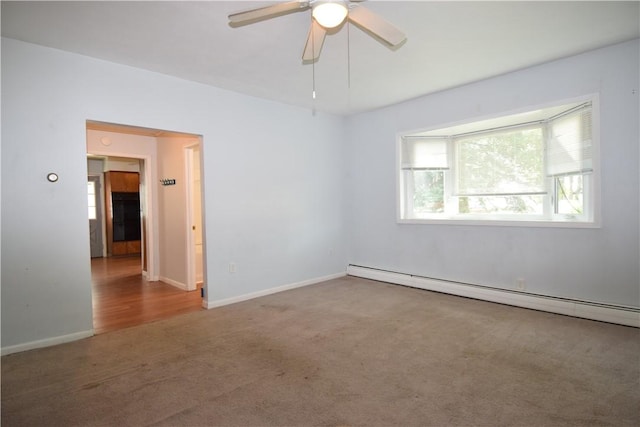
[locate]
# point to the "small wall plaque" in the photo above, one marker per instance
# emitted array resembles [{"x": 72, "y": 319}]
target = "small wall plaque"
[{"x": 168, "y": 181}]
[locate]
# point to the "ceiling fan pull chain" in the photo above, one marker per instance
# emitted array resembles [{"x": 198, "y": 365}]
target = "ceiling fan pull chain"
[
  {"x": 348, "y": 55},
  {"x": 313, "y": 63}
]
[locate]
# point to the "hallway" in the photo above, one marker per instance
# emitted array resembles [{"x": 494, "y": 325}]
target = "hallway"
[{"x": 122, "y": 298}]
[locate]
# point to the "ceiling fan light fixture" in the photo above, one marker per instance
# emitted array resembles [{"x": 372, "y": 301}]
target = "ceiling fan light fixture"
[{"x": 329, "y": 14}]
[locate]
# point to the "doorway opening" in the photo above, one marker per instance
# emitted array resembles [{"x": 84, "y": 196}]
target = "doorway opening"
[{"x": 144, "y": 190}]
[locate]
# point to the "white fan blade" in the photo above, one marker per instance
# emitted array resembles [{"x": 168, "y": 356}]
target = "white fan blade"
[
  {"x": 376, "y": 25},
  {"x": 315, "y": 39},
  {"x": 267, "y": 11}
]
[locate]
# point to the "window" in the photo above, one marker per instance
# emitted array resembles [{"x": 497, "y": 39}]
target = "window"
[
  {"x": 91, "y": 196},
  {"x": 535, "y": 166}
]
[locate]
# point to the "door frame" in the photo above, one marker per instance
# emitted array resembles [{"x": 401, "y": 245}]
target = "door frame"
[{"x": 148, "y": 240}]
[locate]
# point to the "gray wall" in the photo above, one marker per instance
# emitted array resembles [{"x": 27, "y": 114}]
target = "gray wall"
[
  {"x": 588, "y": 264},
  {"x": 273, "y": 182}
]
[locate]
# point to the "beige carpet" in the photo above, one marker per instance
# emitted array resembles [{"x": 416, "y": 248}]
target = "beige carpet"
[{"x": 342, "y": 353}]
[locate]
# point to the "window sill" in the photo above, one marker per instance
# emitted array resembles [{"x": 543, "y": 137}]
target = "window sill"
[{"x": 501, "y": 222}]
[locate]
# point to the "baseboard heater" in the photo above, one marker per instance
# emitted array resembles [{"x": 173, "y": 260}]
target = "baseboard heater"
[{"x": 628, "y": 316}]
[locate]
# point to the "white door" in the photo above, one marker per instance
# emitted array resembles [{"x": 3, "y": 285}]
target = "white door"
[
  {"x": 195, "y": 250},
  {"x": 197, "y": 214}
]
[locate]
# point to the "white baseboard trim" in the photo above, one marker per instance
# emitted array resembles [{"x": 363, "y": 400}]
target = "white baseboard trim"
[
  {"x": 245, "y": 297},
  {"x": 179, "y": 285},
  {"x": 146, "y": 276},
  {"x": 47, "y": 342},
  {"x": 628, "y": 316}
]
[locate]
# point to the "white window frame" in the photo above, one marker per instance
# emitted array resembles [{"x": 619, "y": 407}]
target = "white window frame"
[
  {"x": 92, "y": 202},
  {"x": 591, "y": 218}
]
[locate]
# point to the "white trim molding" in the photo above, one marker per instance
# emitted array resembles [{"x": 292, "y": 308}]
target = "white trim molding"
[
  {"x": 628, "y": 316},
  {"x": 47, "y": 342},
  {"x": 245, "y": 297},
  {"x": 175, "y": 283}
]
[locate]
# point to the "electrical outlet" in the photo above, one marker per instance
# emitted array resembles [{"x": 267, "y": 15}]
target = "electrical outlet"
[
  {"x": 232, "y": 267},
  {"x": 521, "y": 284}
]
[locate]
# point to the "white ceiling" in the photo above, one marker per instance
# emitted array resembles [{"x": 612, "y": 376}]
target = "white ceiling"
[{"x": 449, "y": 44}]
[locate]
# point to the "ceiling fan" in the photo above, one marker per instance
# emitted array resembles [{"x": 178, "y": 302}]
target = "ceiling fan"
[{"x": 327, "y": 15}]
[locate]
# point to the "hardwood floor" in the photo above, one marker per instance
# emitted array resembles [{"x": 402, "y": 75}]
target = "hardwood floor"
[{"x": 122, "y": 298}]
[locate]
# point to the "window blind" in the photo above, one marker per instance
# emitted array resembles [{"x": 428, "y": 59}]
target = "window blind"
[
  {"x": 424, "y": 153},
  {"x": 569, "y": 147}
]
